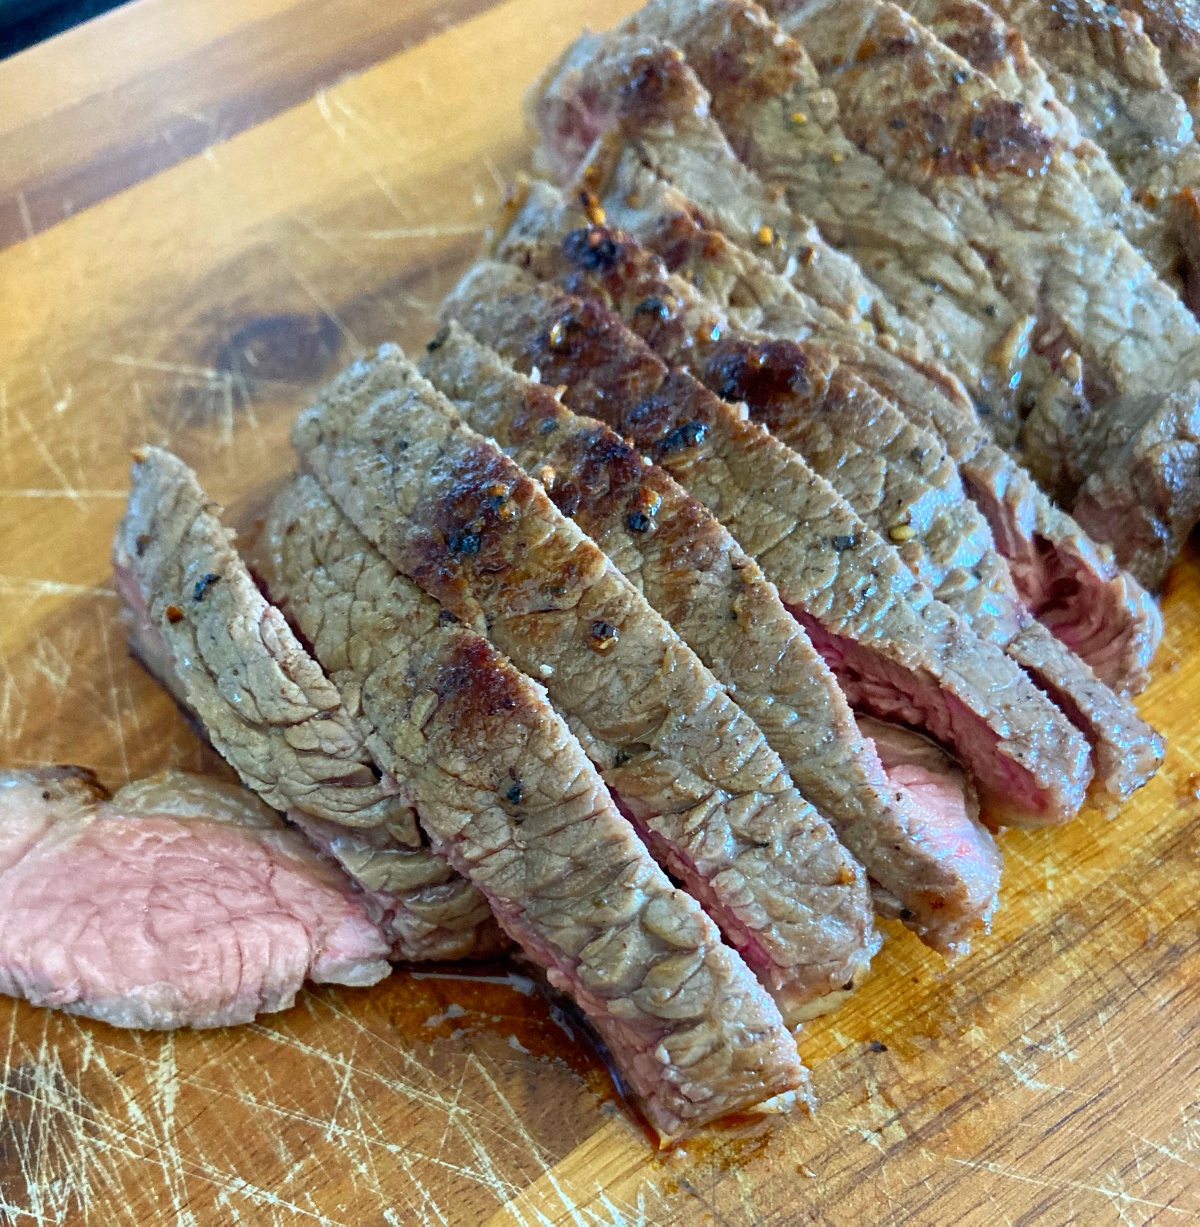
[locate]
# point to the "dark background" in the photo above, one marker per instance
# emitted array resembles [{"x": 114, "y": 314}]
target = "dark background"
[{"x": 25, "y": 22}]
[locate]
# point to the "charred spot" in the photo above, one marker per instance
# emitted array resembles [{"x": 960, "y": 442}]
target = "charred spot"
[
  {"x": 439, "y": 339},
  {"x": 621, "y": 758},
  {"x": 446, "y": 618},
  {"x": 770, "y": 376},
  {"x": 685, "y": 435},
  {"x": 653, "y": 306},
  {"x": 567, "y": 497},
  {"x": 876, "y": 1046},
  {"x": 997, "y": 138},
  {"x": 547, "y": 426},
  {"x": 591, "y": 248},
  {"x": 139, "y": 546},
  {"x": 844, "y": 542},
  {"x": 981, "y": 43},
  {"x": 602, "y": 637},
  {"x": 898, "y": 122},
  {"x": 464, "y": 543},
  {"x": 638, "y": 521},
  {"x": 203, "y": 585},
  {"x": 514, "y": 795},
  {"x": 477, "y": 681},
  {"x": 656, "y": 86}
]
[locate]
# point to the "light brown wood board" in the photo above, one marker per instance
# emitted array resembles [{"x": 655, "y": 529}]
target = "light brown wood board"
[{"x": 1052, "y": 1076}]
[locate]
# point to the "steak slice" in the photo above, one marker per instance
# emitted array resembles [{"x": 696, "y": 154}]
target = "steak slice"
[
  {"x": 1082, "y": 286},
  {"x": 198, "y": 621},
  {"x": 670, "y": 139},
  {"x": 688, "y": 766},
  {"x": 897, "y": 652},
  {"x": 1099, "y": 88},
  {"x": 694, "y": 574},
  {"x": 179, "y": 902},
  {"x": 897, "y": 477},
  {"x": 505, "y": 792}
]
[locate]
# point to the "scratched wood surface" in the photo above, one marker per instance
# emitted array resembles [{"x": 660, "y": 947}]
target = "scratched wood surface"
[{"x": 1052, "y": 1076}]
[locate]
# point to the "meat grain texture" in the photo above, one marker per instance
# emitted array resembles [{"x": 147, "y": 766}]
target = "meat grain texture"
[
  {"x": 181, "y": 901},
  {"x": 200, "y": 623},
  {"x": 505, "y": 793},
  {"x": 688, "y": 766}
]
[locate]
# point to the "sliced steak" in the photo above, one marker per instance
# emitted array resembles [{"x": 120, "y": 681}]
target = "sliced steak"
[
  {"x": 694, "y": 574},
  {"x": 198, "y": 621},
  {"x": 896, "y": 476},
  {"x": 897, "y": 652},
  {"x": 1098, "y": 87},
  {"x": 505, "y": 792},
  {"x": 660, "y": 104},
  {"x": 179, "y": 902},
  {"x": 689, "y": 767},
  {"x": 1080, "y": 283}
]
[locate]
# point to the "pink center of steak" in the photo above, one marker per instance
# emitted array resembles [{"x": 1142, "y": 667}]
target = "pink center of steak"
[
  {"x": 159, "y": 922},
  {"x": 876, "y": 686}
]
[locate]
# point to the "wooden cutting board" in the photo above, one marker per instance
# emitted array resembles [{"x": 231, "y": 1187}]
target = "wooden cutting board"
[{"x": 1051, "y": 1076}]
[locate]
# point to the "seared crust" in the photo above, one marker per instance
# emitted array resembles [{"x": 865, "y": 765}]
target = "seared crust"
[
  {"x": 845, "y": 314},
  {"x": 696, "y": 576},
  {"x": 506, "y": 794},
  {"x": 896, "y": 476},
  {"x": 452, "y": 511},
  {"x": 830, "y": 568}
]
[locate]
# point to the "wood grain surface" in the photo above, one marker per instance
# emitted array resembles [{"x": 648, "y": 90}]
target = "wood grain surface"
[{"x": 1052, "y": 1076}]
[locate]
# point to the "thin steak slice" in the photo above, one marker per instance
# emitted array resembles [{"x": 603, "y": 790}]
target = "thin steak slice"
[
  {"x": 506, "y": 793},
  {"x": 895, "y": 475},
  {"x": 659, "y": 111},
  {"x": 897, "y": 652},
  {"x": 199, "y": 622},
  {"x": 180, "y": 902},
  {"x": 695, "y": 575},
  {"x": 689, "y": 767}
]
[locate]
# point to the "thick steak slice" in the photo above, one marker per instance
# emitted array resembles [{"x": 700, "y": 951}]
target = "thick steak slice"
[
  {"x": 1121, "y": 105},
  {"x": 180, "y": 902},
  {"x": 694, "y": 574},
  {"x": 896, "y": 476},
  {"x": 506, "y": 793},
  {"x": 897, "y": 652},
  {"x": 662, "y": 125},
  {"x": 197, "y": 619},
  {"x": 692, "y": 770}
]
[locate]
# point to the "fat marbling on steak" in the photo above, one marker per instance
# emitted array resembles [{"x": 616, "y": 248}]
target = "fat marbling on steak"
[
  {"x": 694, "y": 574},
  {"x": 181, "y": 901},
  {"x": 710, "y": 796},
  {"x": 897, "y": 476},
  {"x": 897, "y": 652},
  {"x": 505, "y": 792},
  {"x": 199, "y": 622},
  {"x": 650, "y": 101}
]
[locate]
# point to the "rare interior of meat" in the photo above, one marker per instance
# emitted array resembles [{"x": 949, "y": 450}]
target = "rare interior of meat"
[
  {"x": 180, "y": 901},
  {"x": 453, "y": 512},
  {"x": 506, "y": 794}
]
